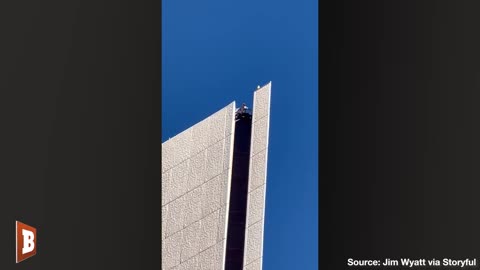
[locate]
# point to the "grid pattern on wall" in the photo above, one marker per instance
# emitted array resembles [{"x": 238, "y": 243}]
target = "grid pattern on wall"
[
  {"x": 196, "y": 184},
  {"x": 196, "y": 175},
  {"x": 257, "y": 179}
]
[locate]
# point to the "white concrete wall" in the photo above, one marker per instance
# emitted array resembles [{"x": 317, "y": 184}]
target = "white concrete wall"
[
  {"x": 257, "y": 179},
  {"x": 196, "y": 177}
]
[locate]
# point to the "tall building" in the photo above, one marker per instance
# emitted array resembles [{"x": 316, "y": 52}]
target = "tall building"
[{"x": 213, "y": 190}]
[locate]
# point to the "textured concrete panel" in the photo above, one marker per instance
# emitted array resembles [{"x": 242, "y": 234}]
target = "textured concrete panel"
[
  {"x": 166, "y": 186},
  {"x": 179, "y": 179},
  {"x": 200, "y": 137},
  {"x": 254, "y": 242},
  {"x": 171, "y": 249},
  {"x": 229, "y": 125},
  {"x": 167, "y": 156},
  {"x": 196, "y": 175},
  {"x": 259, "y": 135},
  {"x": 212, "y": 258},
  {"x": 197, "y": 170},
  {"x": 261, "y": 102},
  {"x": 258, "y": 165},
  {"x": 190, "y": 241},
  {"x": 173, "y": 216},
  {"x": 192, "y": 207},
  {"x": 200, "y": 241},
  {"x": 257, "y": 179},
  {"x": 256, "y": 205},
  {"x": 180, "y": 170},
  {"x": 255, "y": 265},
  {"x": 209, "y": 259},
  {"x": 192, "y": 263},
  {"x": 215, "y": 193},
  {"x": 164, "y": 211},
  {"x": 227, "y": 152},
  {"x": 215, "y": 159},
  {"x": 208, "y": 230},
  {"x": 173, "y": 186},
  {"x": 183, "y": 153},
  {"x": 216, "y": 127},
  {"x": 223, "y": 218}
]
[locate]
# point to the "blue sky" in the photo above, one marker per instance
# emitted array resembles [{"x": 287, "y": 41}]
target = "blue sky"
[{"x": 214, "y": 52}]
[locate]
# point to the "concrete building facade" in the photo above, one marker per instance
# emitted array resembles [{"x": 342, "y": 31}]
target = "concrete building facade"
[{"x": 213, "y": 190}]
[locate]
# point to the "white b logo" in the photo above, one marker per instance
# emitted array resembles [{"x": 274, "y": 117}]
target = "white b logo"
[
  {"x": 26, "y": 238},
  {"x": 28, "y": 244}
]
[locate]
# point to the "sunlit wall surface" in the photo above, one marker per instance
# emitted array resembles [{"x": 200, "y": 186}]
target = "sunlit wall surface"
[{"x": 196, "y": 180}]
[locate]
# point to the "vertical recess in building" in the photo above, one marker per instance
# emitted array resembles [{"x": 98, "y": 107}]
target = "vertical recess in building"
[{"x": 238, "y": 193}]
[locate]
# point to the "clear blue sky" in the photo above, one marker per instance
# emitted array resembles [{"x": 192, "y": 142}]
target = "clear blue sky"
[{"x": 217, "y": 51}]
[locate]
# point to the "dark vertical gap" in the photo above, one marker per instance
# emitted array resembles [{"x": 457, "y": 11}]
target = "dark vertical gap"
[{"x": 238, "y": 193}]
